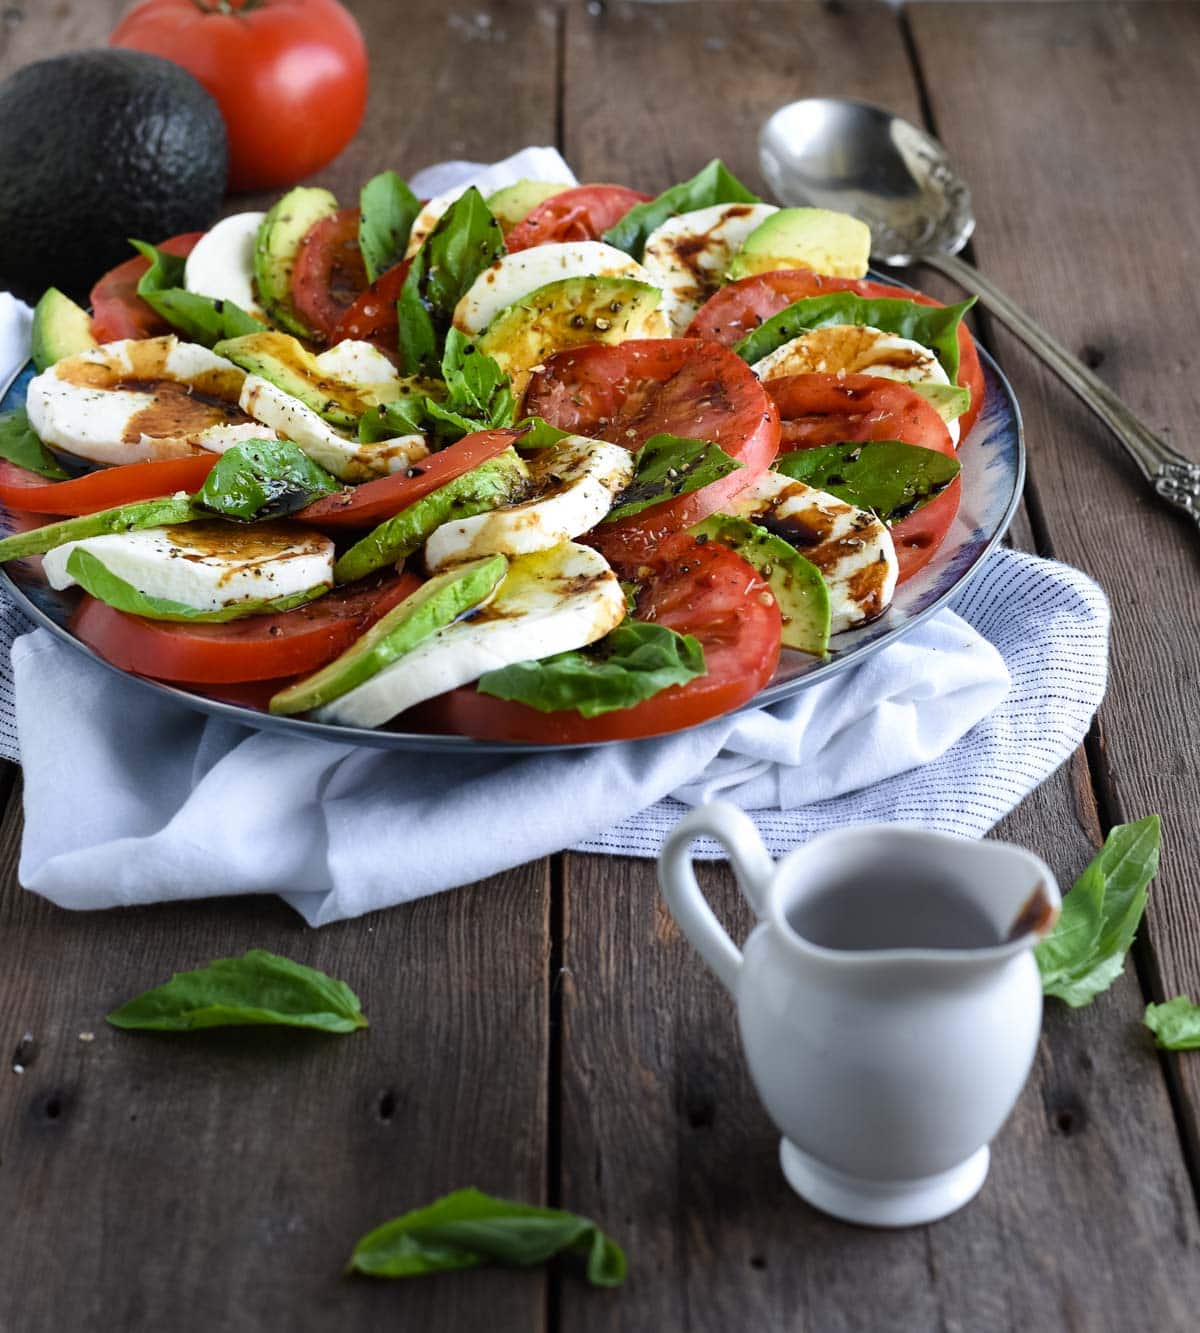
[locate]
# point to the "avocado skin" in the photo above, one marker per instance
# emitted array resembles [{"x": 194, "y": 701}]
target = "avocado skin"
[{"x": 95, "y": 147}]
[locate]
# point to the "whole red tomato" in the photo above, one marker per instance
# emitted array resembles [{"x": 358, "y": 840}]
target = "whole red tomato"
[{"x": 290, "y": 76}]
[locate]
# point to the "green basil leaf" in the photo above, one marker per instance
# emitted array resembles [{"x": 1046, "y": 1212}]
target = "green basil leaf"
[
  {"x": 466, "y": 240},
  {"x": 469, "y": 1228},
  {"x": 168, "y": 511},
  {"x": 933, "y": 326},
  {"x": 387, "y": 211},
  {"x": 891, "y": 478},
  {"x": 539, "y": 434},
  {"x": 715, "y": 184},
  {"x": 19, "y": 445},
  {"x": 403, "y": 416},
  {"x": 667, "y": 466},
  {"x": 257, "y": 989},
  {"x": 94, "y": 576},
  {"x": 632, "y": 663},
  {"x": 202, "y": 319},
  {"x": 262, "y": 479},
  {"x": 1085, "y": 952},
  {"x": 479, "y": 394},
  {"x": 497, "y": 482},
  {"x": 1176, "y": 1024}
]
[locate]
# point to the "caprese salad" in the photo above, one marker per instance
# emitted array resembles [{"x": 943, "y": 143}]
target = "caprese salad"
[{"x": 568, "y": 463}]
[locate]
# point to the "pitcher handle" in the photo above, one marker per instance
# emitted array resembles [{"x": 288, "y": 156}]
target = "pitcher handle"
[{"x": 752, "y": 865}]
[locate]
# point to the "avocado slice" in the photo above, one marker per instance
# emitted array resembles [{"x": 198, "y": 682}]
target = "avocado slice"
[
  {"x": 60, "y": 329},
  {"x": 499, "y": 481},
  {"x": 276, "y": 248},
  {"x": 433, "y": 606},
  {"x": 796, "y": 582},
  {"x": 515, "y": 202},
  {"x": 167, "y": 512},
  {"x": 570, "y": 313},
  {"x": 950, "y": 400},
  {"x": 290, "y": 366},
  {"x": 811, "y": 238}
]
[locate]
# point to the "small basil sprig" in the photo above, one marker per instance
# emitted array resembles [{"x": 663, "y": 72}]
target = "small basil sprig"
[
  {"x": 631, "y": 664},
  {"x": 263, "y": 479},
  {"x": 202, "y": 319},
  {"x": 714, "y": 184},
  {"x": 1175, "y": 1024},
  {"x": 933, "y": 326},
  {"x": 1085, "y": 952},
  {"x": 94, "y": 576},
  {"x": 667, "y": 466},
  {"x": 469, "y": 1228},
  {"x": 19, "y": 445},
  {"x": 387, "y": 211},
  {"x": 891, "y": 478},
  {"x": 466, "y": 240},
  {"x": 257, "y": 989}
]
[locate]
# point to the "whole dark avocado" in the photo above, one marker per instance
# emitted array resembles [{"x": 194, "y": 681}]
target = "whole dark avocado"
[{"x": 96, "y": 147}]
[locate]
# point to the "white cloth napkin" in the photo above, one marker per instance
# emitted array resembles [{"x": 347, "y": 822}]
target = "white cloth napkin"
[{"x": 133, "y": 799}]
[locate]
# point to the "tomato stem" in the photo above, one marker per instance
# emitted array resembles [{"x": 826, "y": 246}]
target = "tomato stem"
[{"x": 230, "y": 7}]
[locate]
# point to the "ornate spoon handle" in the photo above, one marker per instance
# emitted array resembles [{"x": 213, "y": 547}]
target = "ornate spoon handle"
[{"x": 1174, "y": 477}]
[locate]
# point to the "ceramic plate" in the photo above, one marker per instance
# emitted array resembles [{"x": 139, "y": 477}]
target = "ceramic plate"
[{"x": 993, "y": 472}]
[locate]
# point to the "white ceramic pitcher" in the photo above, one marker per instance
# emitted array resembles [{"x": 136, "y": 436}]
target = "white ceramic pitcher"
[{"x": 888, "y": 1001}]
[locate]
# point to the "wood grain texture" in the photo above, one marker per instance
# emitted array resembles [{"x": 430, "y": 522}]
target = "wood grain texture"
[
  {"x": 1119, "y": 181},
  {"x": 219, "y": 1181},
  {"x": 662, "y": 1135}
]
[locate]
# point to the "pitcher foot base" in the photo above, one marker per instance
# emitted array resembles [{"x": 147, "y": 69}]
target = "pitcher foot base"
[{"x": 882, "y": 1203}]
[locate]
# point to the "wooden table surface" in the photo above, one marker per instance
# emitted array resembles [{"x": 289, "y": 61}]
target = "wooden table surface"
[{"x": 548, "y": 1035}]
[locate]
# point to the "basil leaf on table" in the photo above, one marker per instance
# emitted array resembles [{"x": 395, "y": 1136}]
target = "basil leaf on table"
[
  {"x": 387, "y": 211},
  {"x": 933, "y": 326},
  {"x": 202, "y": 319},
  {"x": 1085, "y": 952},
  {"x": 1175, "y": 1024},
  {"x": 257, "y": 989},
  {"x": 466, "y": 240},
  {"x": 169, "y": 510},
  {"x": 19, "y": 445},
  {"x": 891, "y": 478},
  {"x": 262, "y": 479},
  {"x": 469, "y": 1228},
  {"x": 714, "y": 184},
  {"x": 631, "y": 664},
  {"x": 94, "y": 576},
  {"x": 667, "y": 466}
]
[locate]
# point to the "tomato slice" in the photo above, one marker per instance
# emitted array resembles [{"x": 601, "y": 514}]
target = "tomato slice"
[
  {"x": 257, "y": 648},
  {"x": 678, "y": 386},
  {"x": 829, "y": 409},
  {"x": 364, "y": 506},
  {"x": 372, "y": 315},
  {"x": 741, "y": 307},
  {"x": 329, "y": 274},
  {"x": 584, "y": 213},
  {"x": 22, "y": 489},
  {"x": 696, "y": 588},
  {"x": 118, "y": 311}
]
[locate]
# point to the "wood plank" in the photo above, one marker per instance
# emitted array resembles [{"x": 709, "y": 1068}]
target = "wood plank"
[
  {"x": 1095, "y": 250},
  {"x": 219, "y": 1181},
  {"x": 662, "y": 1136}
]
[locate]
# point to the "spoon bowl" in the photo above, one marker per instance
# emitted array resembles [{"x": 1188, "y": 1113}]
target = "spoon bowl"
[{"x": 850, "y": 156}]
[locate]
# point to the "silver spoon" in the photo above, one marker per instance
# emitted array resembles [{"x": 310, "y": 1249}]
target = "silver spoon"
[{"x": 860, "y": 159}]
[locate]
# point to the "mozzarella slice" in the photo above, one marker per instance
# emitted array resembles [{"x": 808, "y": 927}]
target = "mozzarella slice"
[
  {"x": 429, "y": 216},
  {"x": 139, "y": 399},
  {"x": 856, "y": 349},
  {"x": 574, "y": 484},
  {"x": 688, "y": 255},
  {"x": 221, "y": 264},
  {"x": 851, "y": 547},
  {"x": 347, "y": 459},
  {"x": 550, "y": 602},
  {"x": 208, "y": 566},
  {"x": 514, "y": 276},
  {"x": 359, "y": 363}
]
